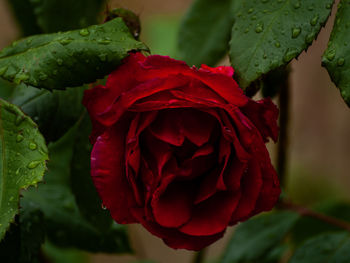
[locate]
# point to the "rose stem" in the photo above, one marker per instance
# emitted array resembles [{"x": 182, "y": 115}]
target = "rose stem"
[
  {"x": 282, "y": 150},
  {"x": 199, "y": 256},
  {"x": 303, "y": 211}
]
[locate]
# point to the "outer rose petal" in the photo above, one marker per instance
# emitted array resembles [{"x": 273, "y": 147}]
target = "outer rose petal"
[
  {"x": 225, "y": 86},
  {"x": 263, "y": 114},
  {"x": 108, "y": 174},
  {"x": 174, "y": 238}
]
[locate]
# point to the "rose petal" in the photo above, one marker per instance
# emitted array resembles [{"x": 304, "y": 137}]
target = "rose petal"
[
  {"x": 264, "y": 115},
  {"x": 108, "y": 174},
  {"x": 174, "y": 238},
  {"x": 213, "y": 215},
  {"x": 250, "y": 186},
  {"x": 173, "y": 207},
  {"x": 225, "y": 70},
  {"x": 223, "y": 85},
  {"x": 145, "y": 89}
]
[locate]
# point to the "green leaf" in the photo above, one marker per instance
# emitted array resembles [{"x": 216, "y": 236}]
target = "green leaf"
[
  {"x": 329, "y": 247},
  {"x": 87, "y": 199},
  {"x": 205, "y": 32},
  {"x": 257, "y": 237},
  {"x": 307, "y": 227},
  {"x": 336, "y": 58},
  {"x": 23, "y": 159},
  {"x": 56, "y": 61},
  {"x": 62, "y": 15},
  {"x": 268, "y": 34},
  {"x": 6, "y": 89},
  {"x": 23, "y": 240},
  {"x": 64, "y": 224},
  {"x": 54, "y": 112}
]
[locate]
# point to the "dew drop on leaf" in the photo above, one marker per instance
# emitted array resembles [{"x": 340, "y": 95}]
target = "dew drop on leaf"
[
  {"x": 330, "y": 54},
  {"x": 314, "y": 20},
  {"x": 259, "y": 27},
  {"x": 296, "y": 32},
  {"x": 33, "y": 164},
  {"x": 341, "y": 62},
  {"x": 84, "y": 32},
  {"x": 32, "y": 146},
  {"x": 19, "y": 138}
]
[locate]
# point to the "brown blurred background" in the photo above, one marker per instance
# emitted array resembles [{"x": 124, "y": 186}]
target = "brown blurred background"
[{"x": 319, "y": 123}]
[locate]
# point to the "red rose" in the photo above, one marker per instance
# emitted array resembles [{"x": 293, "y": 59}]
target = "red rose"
[{"x": 180, "y": 150}]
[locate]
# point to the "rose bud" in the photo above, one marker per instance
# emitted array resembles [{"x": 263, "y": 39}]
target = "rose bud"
[{"x": 180, "y": 150}]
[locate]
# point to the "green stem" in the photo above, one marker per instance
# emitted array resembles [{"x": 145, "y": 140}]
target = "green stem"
[
  {"x": 282, "y": 151},
  {"x": 199, "y": 256}
]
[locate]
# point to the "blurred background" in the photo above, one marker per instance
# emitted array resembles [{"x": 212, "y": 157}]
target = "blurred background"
[{"x": 319, "y": 144}]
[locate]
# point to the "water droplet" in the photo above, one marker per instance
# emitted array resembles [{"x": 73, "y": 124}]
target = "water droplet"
[
  {"x": 277, "y": 44},
  {"x": 309, "y": 38},
  {"x": 259, "y": 27},
  {"x": 341, "y": 62},
  {"x": 19, "y": 138},
  {"x": 290, "y": 54},
  {"x": 19, "y": 120},
  {"x": 84, "y": 32},
  {"x": 3, "y": 70},
  {"x": 103, "y": 57},
  {"x": 42, "y": 76},
  {"x": 20, "y": 77},
  {"x": 296, "y": 32},
  {"x": 32, "y": 146},
  {"x": 104, "y": 41},
  {"x": 103, "y": 206},
  {"x": 65, "y": 41},
  {"x": 297, "y": 5},
  {"x": 59, "y": 61},
  {"x": 33, "y": 164},
  {"x": 314, "y": 20},
  {"x": 330, "y": 54},
  {"x": 251, "y": 10}
]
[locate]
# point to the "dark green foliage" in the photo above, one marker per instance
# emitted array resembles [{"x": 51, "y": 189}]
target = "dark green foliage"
[
  {"x": 325, "y": 248},
  {"x": 87, "y": 199},
  {"x": 56, "y": 61},
  {"x": 269, "y": 33},
  {"x": 48, "y": 16},
  {"x": 336, "y": 58},
  {"x": 205, "y": 32},
  {"x": 62, "y": 15},
  {"x": 307, "y": 227},
  {"x": 258, "y": 238},
  {"x": 64, "y": 224},
  {"x": 23, "y": 159},
  {"x": 55, "y": 112},
  {"x": 24, "y": 13}
]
